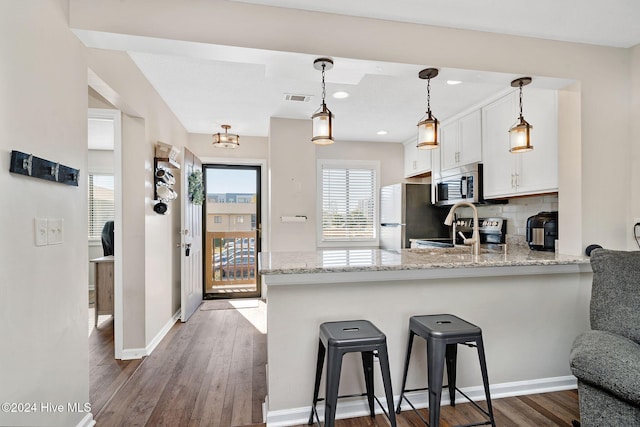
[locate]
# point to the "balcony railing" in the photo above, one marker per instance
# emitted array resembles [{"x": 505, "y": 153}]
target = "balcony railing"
[{"x": 231, "y": 258}]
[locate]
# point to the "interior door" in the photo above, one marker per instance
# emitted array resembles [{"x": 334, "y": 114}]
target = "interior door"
[{"x": 191, "y": 241}]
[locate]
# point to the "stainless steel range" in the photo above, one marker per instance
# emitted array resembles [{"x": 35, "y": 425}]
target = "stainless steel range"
[{"x": 492, "y": 230}]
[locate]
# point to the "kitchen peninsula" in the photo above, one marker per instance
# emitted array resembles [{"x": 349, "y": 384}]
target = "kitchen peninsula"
[{"x": 530, "y": 306}]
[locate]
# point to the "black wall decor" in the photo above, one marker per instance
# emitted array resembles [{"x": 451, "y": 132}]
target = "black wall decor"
[{"x": 30, "y": 165}]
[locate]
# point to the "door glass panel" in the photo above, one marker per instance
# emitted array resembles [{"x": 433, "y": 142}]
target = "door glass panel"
[{"x": 232, "y": 222}]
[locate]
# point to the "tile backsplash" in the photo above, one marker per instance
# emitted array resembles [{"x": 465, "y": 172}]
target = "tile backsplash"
[{"x": 516, "y": 211}]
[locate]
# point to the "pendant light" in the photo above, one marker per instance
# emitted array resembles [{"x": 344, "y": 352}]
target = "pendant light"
[
  {"x": 520, "y": 132},
  {"x": 322, "y": 121},
  {"x": 226, "y": 140},
  {"x": 428, "y": 126}
]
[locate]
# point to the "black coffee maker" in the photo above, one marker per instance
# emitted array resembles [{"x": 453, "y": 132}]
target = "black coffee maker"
[{"x": 542, "y": 231}]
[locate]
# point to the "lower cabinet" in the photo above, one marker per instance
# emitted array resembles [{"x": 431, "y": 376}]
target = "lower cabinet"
[{"x": 535, "y": 172}]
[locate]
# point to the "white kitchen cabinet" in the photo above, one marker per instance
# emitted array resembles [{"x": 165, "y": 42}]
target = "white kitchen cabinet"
[
  {"x": 461, "y": 141},
  {"x": 535, "y": 172},
  {"x": 416, "y": 161}
]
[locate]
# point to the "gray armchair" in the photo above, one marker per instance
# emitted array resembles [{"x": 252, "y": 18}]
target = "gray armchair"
[{"x": 606, "y": 359}]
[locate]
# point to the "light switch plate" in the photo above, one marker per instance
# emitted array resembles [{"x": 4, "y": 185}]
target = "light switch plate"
[
  {"x": 55, "y": 234},
  {"x": 40, "y": 231}
]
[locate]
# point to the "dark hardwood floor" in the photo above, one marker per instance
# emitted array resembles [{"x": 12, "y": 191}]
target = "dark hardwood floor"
[
  {"x": 548, "y": 409},
  {"x": 210, "y": 371},
  {"x": 106, "y": 374}
]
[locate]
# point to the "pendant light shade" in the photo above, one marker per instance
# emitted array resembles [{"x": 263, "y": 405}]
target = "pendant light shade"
[
  {"x": 226, "y": 140},
  {"x": 322, "y": 121},
  {"x": 520, "y": 132},
  {"x": 428, "y": 126}
]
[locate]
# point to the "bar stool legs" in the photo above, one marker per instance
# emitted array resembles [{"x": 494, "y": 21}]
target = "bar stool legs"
[
  {"x": 316, "y": 388},
  {"x": 386, "y": 382},
  {"x": 443, "y": 333},
  {"x": 337, "y": 339}
]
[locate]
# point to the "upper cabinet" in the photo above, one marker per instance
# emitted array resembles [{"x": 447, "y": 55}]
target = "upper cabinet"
[
  {"x": 507, "y": 174},
  {"x": 416, "y": 161},
  {"x": 461, "y": 141}
]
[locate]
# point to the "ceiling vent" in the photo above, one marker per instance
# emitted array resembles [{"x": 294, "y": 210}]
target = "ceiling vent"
[{"x": 297, "y": 97}]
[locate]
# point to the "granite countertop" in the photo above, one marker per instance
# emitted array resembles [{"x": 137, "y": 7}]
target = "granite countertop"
[{"x": 360, "y": 260}]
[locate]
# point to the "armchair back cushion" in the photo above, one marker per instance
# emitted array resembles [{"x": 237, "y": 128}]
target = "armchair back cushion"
[{"x": 615, "y": 293}]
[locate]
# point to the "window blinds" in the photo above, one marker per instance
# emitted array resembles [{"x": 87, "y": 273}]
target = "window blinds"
[
  {"x": 101, "y": 203},
  {"x": 348, "y": 203}
]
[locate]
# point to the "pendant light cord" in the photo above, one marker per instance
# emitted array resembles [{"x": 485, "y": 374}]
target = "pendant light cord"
[
  {"x": 520, "y": 98},
  {"x": 323, "y": 88},
  {"x": 429, "y": 96}
]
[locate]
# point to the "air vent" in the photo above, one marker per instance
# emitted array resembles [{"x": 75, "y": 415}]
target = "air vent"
[{"x": 297, "y": 97}]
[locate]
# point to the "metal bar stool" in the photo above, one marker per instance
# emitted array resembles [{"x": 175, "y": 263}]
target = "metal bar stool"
[
  {"x": 338, "y": 338},
  {"x": 443, "y": 333}
]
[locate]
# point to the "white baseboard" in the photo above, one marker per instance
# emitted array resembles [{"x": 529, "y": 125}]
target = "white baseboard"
[
  {"x": 358, "y": 407},
  {"x": 139, "y": 353},
  {"x": 163, "y": 332},
  {"x": 133, "y": 353},
  {"x": 87, "y": 421}
]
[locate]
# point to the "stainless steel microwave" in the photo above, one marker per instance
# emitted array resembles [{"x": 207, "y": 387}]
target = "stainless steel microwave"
[{"x": 463, "y": 184}]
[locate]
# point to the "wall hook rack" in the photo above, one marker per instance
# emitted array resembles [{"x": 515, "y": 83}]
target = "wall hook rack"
[{"x": 30, "y": 165}]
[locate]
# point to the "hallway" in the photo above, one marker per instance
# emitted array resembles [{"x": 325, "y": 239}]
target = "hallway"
[{"x": 209, "y": 371}]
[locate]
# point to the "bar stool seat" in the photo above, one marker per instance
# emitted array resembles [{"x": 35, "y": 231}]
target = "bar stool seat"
[
  {"x": 337, "y": 339},
  {"x": 443, "y": 332}
]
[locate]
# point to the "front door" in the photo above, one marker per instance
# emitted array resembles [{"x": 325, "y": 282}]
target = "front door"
[
  {"x": 232, "y": 241},
  {"x": 191, "y": 237}
]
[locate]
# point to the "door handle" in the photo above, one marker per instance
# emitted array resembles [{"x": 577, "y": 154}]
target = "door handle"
[{"x": 187, "y": 249}]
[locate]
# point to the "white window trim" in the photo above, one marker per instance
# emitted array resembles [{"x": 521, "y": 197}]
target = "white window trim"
[{"x": 354, "y": 164}]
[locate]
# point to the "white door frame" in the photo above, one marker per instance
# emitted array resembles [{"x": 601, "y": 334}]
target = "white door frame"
[{"x": 265, "y": 198}]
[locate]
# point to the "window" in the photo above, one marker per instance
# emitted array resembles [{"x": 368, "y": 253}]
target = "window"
[
  {"x": 347, "y": 202},
  {"x": 101, "y": 203},
  {"x": 217, "y": 219},
  {"x": 239, "y": 219}
]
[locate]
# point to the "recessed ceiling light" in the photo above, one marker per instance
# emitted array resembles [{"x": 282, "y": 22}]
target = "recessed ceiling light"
[
  {"x": 382, "y": 132},
  {"x": 453, "y": 82},
  {"x": 340, "y": 94}
]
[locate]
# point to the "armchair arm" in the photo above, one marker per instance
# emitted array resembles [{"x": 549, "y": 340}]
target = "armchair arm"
[{"x": 608, "y": 361}]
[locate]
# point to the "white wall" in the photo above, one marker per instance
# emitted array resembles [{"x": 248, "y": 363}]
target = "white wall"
[
  {"x": 43, "y": 290},
  {"x": 134, "y": 154},
  {"x": 604, "y": 76},
  {"x": 292, "y": 185}
]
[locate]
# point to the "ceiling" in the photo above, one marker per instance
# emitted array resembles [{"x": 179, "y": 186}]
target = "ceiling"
[
  {"x": 608, "y": 23},
  {"x": 210, "y": 85}
]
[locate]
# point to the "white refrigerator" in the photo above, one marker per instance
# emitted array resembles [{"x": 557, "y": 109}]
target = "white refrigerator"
[{"x": 406, "y": 213}]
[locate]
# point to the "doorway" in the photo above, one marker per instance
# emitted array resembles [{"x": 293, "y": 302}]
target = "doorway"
[
  {"x": 103, "y": 136},
  {"x": 232, "y": 217}
]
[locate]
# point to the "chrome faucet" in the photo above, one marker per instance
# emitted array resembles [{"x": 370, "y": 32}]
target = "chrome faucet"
[{"x": 474, "y": 241}]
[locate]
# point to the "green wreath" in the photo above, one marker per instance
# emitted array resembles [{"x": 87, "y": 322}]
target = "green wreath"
[{"x": 196, "y": 187}]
